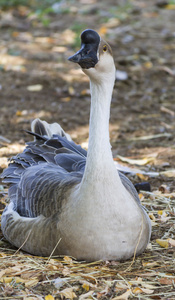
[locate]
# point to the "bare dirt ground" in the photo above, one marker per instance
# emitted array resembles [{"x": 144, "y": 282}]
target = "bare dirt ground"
[{"x": 36, "y": 80}]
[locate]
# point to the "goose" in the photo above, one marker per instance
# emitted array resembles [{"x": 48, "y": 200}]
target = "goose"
[{"x": 66, "y": 201}]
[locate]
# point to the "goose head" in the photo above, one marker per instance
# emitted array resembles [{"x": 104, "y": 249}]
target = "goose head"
[{"x": 95, "y": 57}]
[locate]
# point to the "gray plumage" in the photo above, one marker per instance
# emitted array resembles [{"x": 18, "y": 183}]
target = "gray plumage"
[{"x": 60, "y": 193}]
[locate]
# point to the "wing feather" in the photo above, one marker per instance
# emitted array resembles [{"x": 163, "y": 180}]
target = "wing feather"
[{"x": 40, "y": 176}]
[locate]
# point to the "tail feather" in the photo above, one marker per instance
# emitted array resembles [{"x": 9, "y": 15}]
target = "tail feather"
[{"x": 45, "y": 129}]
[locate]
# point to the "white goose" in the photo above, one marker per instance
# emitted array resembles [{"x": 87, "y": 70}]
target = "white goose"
[{"x": 64, "y": 203}]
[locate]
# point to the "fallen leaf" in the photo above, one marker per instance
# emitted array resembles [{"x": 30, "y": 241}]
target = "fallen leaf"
[
  {"x": 85, "y": 286},
  {"x": 32, "y": 282},
  {"x": 89, "y": 277},
  {"x": 66, "y": 99},
  {"x": 140, "y": 162},
  {"x": 141, "y": 196},
  {"x": 35, "y": 88},
  {"x": 169, "y": 173},
  {"x": 71, "y": 91},
  {"x": 49, "y": 297},
  {"x": 147, "y": 291},
  {"x": 150, "y": 264},
  {"x": 148, "y": 65},
  {"x": 142, "y": 176},
  {"x": 9, "y": 279},
  {"x": 85, "y": 296},
  {"x": 137, "y": 290},
  {"x": 85, "y": 92},
  {"x": 164, "y": 217},
  {"x": 171, "y": 242},
  {"x": 162, "y": 243},
  {"x": 152, "y": 217},
  {"x": 66, "y": 271},
  {"x": 124, "y": 296},
  {"x": 68, "y": 293},
  {"x": 166, "y": 281}
]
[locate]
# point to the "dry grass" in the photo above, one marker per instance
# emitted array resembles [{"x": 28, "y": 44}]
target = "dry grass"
[{"x": 149, "y": 276}]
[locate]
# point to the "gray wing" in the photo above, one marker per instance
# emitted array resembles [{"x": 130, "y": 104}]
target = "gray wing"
[{"x": 41, "y": 176}]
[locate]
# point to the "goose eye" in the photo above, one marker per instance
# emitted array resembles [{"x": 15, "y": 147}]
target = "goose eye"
[{"x": 105, "y": 48}]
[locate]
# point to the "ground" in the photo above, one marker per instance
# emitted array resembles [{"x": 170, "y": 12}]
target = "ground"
[{"x": 36, "y": 80}]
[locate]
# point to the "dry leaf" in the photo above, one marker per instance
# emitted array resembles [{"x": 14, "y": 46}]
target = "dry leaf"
[
  {"x": 66, "y": 271},
  {"x": 137, "y": 290},
  {"x": 85, "y": 296},
  {"x": 169, "y": 173},
  {"x": 162, "y": 243},
  {"x": 68, "y": 293},
  {"x": 89, "y": 277},
  {"x": 147, "y": 291},
  {"x": 140, "y": 162},
  {"x": 49, "y": 297},
  {"x": 150, "y": 264},
  {"x": 166, "y": 281},
  {"x": 66, "y": 99},
  {"x": 160, "y": 212},
  {"x": 171, "y": 242},
  {"x": 142, "y": 176},
  {"x": 71, "y": 91},
  {"x": 85, "y": 286},
  {"x": 164, "y": 218},
  {"x": 152, "y": 217},
  {"x": 32, "y": 282},
  {"x": 85, "y": 92},
  {"x": 35, "y": 88},
  {"x": 9, "y": 279},
  {"x": 124, "y": 296},
  {"x": 68, "y": 259},
  {"x": 148, "y": 65}
]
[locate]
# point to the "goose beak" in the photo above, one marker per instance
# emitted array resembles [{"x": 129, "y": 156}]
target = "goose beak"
[{"x": 86, "y": 57}]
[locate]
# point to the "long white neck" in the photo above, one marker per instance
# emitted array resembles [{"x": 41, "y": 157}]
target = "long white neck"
[{"x": 99, "y": 164}]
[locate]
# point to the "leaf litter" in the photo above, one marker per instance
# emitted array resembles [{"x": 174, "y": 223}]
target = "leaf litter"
[{"x": 147, "y": 276}]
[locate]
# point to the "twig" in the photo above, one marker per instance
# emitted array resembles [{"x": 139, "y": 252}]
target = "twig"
[
  {"x": 53, "y": 251},
  {"x": 23, "y": 243}
]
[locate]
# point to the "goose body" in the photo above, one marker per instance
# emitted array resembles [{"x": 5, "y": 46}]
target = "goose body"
[{"x": 66, "y": 201}]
